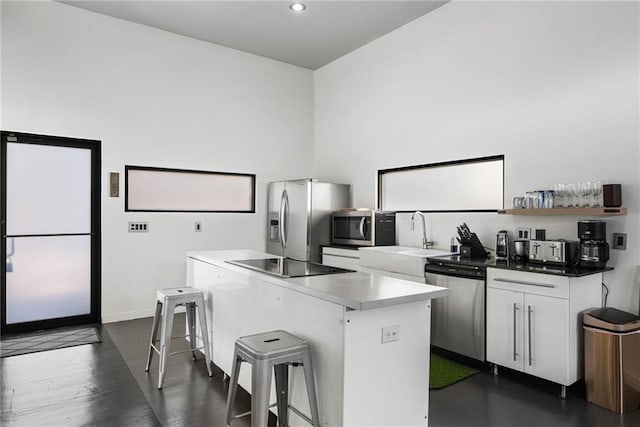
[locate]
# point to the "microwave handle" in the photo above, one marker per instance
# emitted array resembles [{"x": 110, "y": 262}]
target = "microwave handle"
[{"x": 363, "y": 225}]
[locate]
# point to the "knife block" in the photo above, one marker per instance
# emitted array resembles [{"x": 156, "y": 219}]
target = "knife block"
[{"x": 472, "y": 248}]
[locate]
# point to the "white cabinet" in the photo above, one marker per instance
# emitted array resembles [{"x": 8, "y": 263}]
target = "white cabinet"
[
  {"x": 350, "y": 389},
  {"x": 534, "y": 322},
  {"x": 386, "y": 273},
  {"x": 341, "y": 257}
]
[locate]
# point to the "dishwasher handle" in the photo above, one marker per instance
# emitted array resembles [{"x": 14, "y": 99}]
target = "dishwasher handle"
[{"x": 467, "y": 273}]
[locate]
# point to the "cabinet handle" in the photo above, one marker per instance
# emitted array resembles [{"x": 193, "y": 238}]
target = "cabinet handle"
[
  {"x": 522, "y": 282},
  {"x": 515, "y": 314},
  {"x": 529, "y": 316}
]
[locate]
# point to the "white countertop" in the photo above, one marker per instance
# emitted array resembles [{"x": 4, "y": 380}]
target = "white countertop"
[{"x": 356, "y": 291}]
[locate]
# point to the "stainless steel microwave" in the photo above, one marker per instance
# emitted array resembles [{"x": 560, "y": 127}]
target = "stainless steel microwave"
[{"x": 363, "y": 228}]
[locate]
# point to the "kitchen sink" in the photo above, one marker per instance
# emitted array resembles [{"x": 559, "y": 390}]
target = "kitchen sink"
[{"x": 398, "y": 259}]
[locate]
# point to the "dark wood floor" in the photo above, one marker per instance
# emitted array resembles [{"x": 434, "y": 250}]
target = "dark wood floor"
[{"x": 105, "y": 384}]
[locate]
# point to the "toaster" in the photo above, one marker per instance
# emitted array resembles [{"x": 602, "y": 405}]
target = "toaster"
[{"x": 557, "y": 252}]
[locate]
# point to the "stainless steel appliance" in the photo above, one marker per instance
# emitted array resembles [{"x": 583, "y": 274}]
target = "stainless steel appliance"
[
  {"x": 611, "y": 354},
  {"x": 594, "y": 249},
  {"x": 556, "y": 252},
  {"x": 299, "y": 216},
  {"x": 363, "y": 227},
  {"x": 502, "y": 245},
  {"x": 286, "y": 268},
  {"x": 458, "y": 320},
  {"x": 521, "y": 250}
]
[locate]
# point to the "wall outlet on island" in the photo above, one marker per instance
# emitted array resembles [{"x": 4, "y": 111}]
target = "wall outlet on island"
[{"x": 390, "y": 333}]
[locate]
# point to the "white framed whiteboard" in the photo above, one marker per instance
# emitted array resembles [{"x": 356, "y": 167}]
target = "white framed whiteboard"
[
  {"x": 470, "y": 185},
  {"x": 151, "y": 189}
]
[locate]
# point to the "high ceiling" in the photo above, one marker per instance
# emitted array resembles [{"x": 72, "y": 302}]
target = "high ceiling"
[{"x": 325, "y": 31}]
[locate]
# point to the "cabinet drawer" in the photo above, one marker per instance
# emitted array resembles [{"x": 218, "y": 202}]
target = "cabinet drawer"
[
  {"x": 341, "y": 262},
  {"x": 343, "y": 252},
  {"x": 531, "y": 283}
]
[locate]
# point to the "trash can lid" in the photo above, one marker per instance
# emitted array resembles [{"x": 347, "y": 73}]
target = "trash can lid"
[{"x": 612, "y": 319}]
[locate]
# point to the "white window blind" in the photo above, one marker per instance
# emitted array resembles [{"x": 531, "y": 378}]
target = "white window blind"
[
  {"x": 473, "y": 185},
  {"x": 175, "y": 190}
]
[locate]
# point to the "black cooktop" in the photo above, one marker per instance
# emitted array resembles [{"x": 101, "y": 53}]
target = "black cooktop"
[{"x": 287, "y": 267}]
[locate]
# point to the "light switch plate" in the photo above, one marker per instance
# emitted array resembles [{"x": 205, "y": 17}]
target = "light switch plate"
[
  {"x": 138, "y": 227},
  {"x": 619, "y": 241},
  {"x": 523, "y": 233}
]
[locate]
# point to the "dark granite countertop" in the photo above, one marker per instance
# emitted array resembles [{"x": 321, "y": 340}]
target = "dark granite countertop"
[{"x": 517, "y": 266}]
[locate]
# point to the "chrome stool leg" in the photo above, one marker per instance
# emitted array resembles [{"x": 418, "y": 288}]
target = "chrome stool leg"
[
  {"x": 233, "y": 388},
  {"x": 165, "y": 340},
  {"x": 311, "y": 386},
  {"x": 282, "y": 393},
  {"x": 191, "y": 326},
  {"x": 154, "y": 333},
  {"x": 202, "y": 315}
]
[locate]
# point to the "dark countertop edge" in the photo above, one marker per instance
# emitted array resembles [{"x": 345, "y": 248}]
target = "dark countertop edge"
[
  {"x": 549, "y": 269},
  {"x": 540, "y": 268}
]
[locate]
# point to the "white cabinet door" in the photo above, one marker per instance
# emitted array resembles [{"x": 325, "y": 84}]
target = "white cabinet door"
[
  {"x": 505, "y": 328},
  {"x": 546, "y": 337}
]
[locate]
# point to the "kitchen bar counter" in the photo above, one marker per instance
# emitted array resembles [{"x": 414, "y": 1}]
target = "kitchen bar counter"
[
  {"x": 355, "y": 291},
  {"x": 369, "y": 335},
  {"x": 519, "y": 266}
]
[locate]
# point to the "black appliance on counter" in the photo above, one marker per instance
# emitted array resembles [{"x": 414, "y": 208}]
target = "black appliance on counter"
[
  {"x": 470, "y": 246},
  {"x": 502, "y": 245},
  {"x": 594, "y": 249},
  {"x": 458, "y": 319}
]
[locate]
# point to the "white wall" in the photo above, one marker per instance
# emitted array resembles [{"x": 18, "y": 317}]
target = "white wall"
[
  {"x": 553, "y": 87},
  {"x": 154, "y": 99}
]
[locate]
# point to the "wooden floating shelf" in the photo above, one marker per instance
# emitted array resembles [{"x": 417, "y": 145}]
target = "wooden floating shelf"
[{"x": 566, "y": 211}]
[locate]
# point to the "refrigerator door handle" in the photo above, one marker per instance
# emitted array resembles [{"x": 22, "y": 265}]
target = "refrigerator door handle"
[{"x": 284, "y": 213}]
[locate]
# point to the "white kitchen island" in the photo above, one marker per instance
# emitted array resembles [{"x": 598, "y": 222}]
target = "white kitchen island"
[{"x": 360, "y": 380}]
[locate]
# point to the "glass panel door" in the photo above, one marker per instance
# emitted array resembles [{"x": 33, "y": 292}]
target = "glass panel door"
[{"x": 51, "y": 232}]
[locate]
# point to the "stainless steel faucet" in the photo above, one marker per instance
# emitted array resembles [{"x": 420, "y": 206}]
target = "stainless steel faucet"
[{"x": 425, "y": 243}]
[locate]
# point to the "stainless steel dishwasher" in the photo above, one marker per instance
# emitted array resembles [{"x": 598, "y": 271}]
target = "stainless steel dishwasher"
[{"x": 458, "y": 320}]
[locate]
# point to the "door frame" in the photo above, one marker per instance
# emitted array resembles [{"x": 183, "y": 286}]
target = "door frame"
[{"x": 95, "y": 315}]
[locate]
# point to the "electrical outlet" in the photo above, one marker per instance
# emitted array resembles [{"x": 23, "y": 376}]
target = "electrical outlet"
[
  {"x": 138, "y": 227},
  {"x": 390, "y": 333},
  {"x": 523, "y": 233},
  {"x": 198, "y": 226}
]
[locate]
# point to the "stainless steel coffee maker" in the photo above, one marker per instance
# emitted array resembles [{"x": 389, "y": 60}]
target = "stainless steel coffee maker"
[{"x": 594, "y": 249}]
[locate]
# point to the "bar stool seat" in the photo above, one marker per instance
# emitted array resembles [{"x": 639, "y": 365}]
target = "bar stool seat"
[
  {"x": 277, "y": 349},
  {"x": 166, "y": 302}
]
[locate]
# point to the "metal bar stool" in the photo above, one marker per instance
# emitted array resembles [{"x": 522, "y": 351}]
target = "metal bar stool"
[
  {"x": 277, "y": 349},
  {"x": 166, "y": 302}
]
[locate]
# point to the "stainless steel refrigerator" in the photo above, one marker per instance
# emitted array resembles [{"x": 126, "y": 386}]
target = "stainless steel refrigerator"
[{"x": 299, "y": 216}]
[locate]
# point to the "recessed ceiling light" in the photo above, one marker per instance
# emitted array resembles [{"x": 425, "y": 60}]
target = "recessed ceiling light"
[{"x": 297, "y": 6}]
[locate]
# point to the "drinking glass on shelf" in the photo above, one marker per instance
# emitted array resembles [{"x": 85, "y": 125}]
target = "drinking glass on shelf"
[
  {"x": 518, "y": 202},
  {"x": 558, "y": 194},
  {"x": 597, "y": 194},
  {"x": 571, "y": 193},
  {"x": 581, "y": 192},
  {"x": 588, "y": 188}
]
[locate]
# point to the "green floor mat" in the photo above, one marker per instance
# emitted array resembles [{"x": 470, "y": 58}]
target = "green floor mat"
[{"x": 445, "y": 372}]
